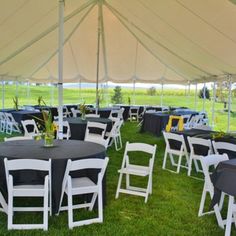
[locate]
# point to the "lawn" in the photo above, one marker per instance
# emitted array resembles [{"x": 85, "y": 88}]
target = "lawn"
[
  {"x": 171, "y": 209},
  {"x": 172, "y": 97}
]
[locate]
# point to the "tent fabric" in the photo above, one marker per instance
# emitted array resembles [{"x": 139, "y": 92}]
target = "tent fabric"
[{"x": 149, "y": 41}]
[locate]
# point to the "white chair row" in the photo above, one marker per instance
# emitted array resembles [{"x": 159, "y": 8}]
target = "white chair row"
[
  {"x": 70, "y": 186},
  {"x": 8, "y": 123}
]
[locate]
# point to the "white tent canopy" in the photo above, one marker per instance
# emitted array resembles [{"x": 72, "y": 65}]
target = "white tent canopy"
[{"x": 153, "y": 41}]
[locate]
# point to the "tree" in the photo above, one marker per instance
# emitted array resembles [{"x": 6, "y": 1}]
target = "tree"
[
  {"x": 207, "y": 93},
  {"x": 151, "y": 91},
  {"x": 117, "y": 97}
]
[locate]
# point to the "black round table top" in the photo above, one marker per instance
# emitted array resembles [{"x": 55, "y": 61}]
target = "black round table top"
[
  {"x": 62, "y": 149},
  {"x": 78, "y": 120}
]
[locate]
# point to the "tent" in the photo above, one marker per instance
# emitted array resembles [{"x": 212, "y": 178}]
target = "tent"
[{"x": 154, "y": 41}]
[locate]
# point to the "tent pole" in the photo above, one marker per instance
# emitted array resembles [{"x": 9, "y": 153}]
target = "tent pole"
[
  {"x": 98, "y": 53},
  {"x": 162, "y": 87},
  {"x": 107, "y": 94},
  {"x": 52, "y": 95},
  {"x": 134, "y": 94},
  {"x": 229, "y": 102},
  {"x": 17, "y": 88},
  {"x": 60, "y": 65},
  {"x": 28, "y": 93},
  {"x": 204, "y": 97},
  {"x": 80, "y": 91},
  {"x": 213, "y": 106},
  {"x": 188, "y": 95},
  {"x": 3, "y": 94},
  {"x": 195, "y": 98}
]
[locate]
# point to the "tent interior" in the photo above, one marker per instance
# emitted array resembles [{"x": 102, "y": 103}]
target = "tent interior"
[{"x": 148, "y": 41}]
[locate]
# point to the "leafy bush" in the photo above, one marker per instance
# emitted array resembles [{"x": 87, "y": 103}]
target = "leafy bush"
[
  {"x": 151, "y": 91},
  {"x": 117, "y": 97},
  {"x": 207, "y": 93}
]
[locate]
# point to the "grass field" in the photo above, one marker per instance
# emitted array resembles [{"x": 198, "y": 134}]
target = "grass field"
[
  {"x": 171, "y": 97},
  {"x": 170, "y": 211}
]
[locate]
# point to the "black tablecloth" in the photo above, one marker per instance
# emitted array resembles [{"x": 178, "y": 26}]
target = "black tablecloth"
[
  {"x": 223, "y": 179},
  {"x": 26, "y": 115},
  {"x": 205, "y": 134},
  {"x": 53, "y": 110},
  {"x": 154, "y": 123},
  {"x": 78, "y": 126},
  {"x": 60, "y": 153},
  {"x": 7, "y": 110},
  {"x": 103, "y": 112}
]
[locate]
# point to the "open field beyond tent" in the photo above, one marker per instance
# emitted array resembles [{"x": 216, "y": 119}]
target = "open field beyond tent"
[
  {"x": 171, "y": 97},
  {"x": 171, "y": 209}
]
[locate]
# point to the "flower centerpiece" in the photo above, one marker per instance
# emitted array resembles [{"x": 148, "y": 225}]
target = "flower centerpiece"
[
  {"x": 49, "y": 128},
  {"x": 83, "y": 109},
  {"x": 15, "y": 103}
]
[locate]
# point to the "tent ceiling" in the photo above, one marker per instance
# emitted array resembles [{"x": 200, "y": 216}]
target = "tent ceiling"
[{"x": 153, "y": 41}]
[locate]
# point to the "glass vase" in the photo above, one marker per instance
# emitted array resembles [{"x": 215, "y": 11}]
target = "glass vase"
[
  {"x": 48, "y": 140},
  {"x": 82, "y": 116}
]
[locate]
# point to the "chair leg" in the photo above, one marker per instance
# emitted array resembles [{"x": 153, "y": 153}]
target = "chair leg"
[
  {"x": 100, "y": 204},
  {"x": 10, "y": 211},
  {"x": 202, "y": 203},
  {"x": 179, "y": 163},
  {"x": 222, "y": 198},
  {"x": 229, "y": 216},
  {"x": 45, "y": 209},
  {"x": 190, "y": 166},
  {"x": 164, "y": 160},
  {"x": 118, "y": 186},
  {"x": 70, "y": 209},
  {"x": 93, "y": 201},
  {"x": 127, "y": 181}
]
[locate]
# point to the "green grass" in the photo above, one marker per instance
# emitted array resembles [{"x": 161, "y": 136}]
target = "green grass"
[
  {"x": 171, "y": 97},
  {"x": 171, "y": 210}
]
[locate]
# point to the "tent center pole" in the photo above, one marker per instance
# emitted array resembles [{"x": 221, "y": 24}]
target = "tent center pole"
[
  {"x": 213, "y": 106},
  {"x": 60, "y": 65},
  {"x": 229, "y": 102},
  {"x": 162, "y": 87},
  {"x": 204, "y": 97},
  {"x": 3, "y": 94},
  {"x": 195, "y": 98}
]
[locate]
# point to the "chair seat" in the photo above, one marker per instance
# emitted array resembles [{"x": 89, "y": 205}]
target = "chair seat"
[
  {"x": 29, "y": 190},
  {"x": 135, "y": 170},
  {"x": 82, "y": 185}
]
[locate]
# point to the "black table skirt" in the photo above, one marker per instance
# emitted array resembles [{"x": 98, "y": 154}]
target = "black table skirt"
[
  {"x": 154, "y": 123},
  {"x": 78, "y": 126},
  {"x": 59, "y": 154}
]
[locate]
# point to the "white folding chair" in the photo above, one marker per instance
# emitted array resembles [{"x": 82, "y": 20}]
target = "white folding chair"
[
  {"x": 92, "y": 116},
  {"x": 95, "y": 132},
  {"x": 11, "y": 124},
  {"x": 179, "y": 151},
  {"x": 120, "y": 113},
  {"x": 133, "y": 113},
  {"x": 186, "y": 119},
  {"x": 75, "y": 112},
  {"x": 30, "y": 128},
  {"x": 114, "y": 135},
  {"x": 223, "y": 147},
  {"x": 113, "y": 114},
  {"x": 33, "y": 190},
  {"x": 194, "y": 144},
  {"x": 83, "y": 185},
  {"x": 66, "y": 112},
  {"x": 207, "y": 161},
  {"x": 2, "y": 122},
  {"x": 66, "y": 129},
  {"x": 231, "y": 215},
  {"x": 18, "y": 138},
  {"x": 128, "y": 169}
]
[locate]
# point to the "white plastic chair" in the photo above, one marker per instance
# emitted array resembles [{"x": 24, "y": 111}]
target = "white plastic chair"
[
  {"x": 28, "y": 191},
  {"x": 113, "y": 114},
  {"x": 133, "y": 113},
  {"x": 66, "y": 112},
  {"x": 172, "y": 152},
  {"x": 120, "y": 113},
  {"x": 75, "y": 112},
  {"x": 92, "y": 116},
  {"x": 207, "y": 161},
  {"x": 206, "y": 143},
  {"x": 114, "y": 135},
  {"x": 18, "y": 138},
  {"x": 221, "y": 147},
  {"x": 231, "y": 213},
  {"x": 83, "y": 185},
  {"x": 2, "y": 122},
  {"x": 95, "y": 137},
  {"x": 128, "y": 169},
  {"x": 26, "y": 124},
  {"x": 11, "y": 124},
  {"x": 66, "y": 129}
]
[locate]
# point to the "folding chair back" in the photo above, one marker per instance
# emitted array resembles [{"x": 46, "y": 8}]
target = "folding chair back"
[
  {"x": 30, "y": 128},
  {"x": 129, "y": 169}
]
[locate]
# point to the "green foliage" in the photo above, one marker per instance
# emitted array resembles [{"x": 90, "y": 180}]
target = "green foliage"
[
  {"x": 15, "y": 102},
  {"x": 117, "y": 97},
  {"x": 151, "y": 91},
  {"x": 207, "y": 93}
]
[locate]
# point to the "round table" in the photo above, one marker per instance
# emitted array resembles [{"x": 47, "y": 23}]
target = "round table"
[
  {"x": 59, "y": 154},
  {"x": 78, "y": 126}
]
